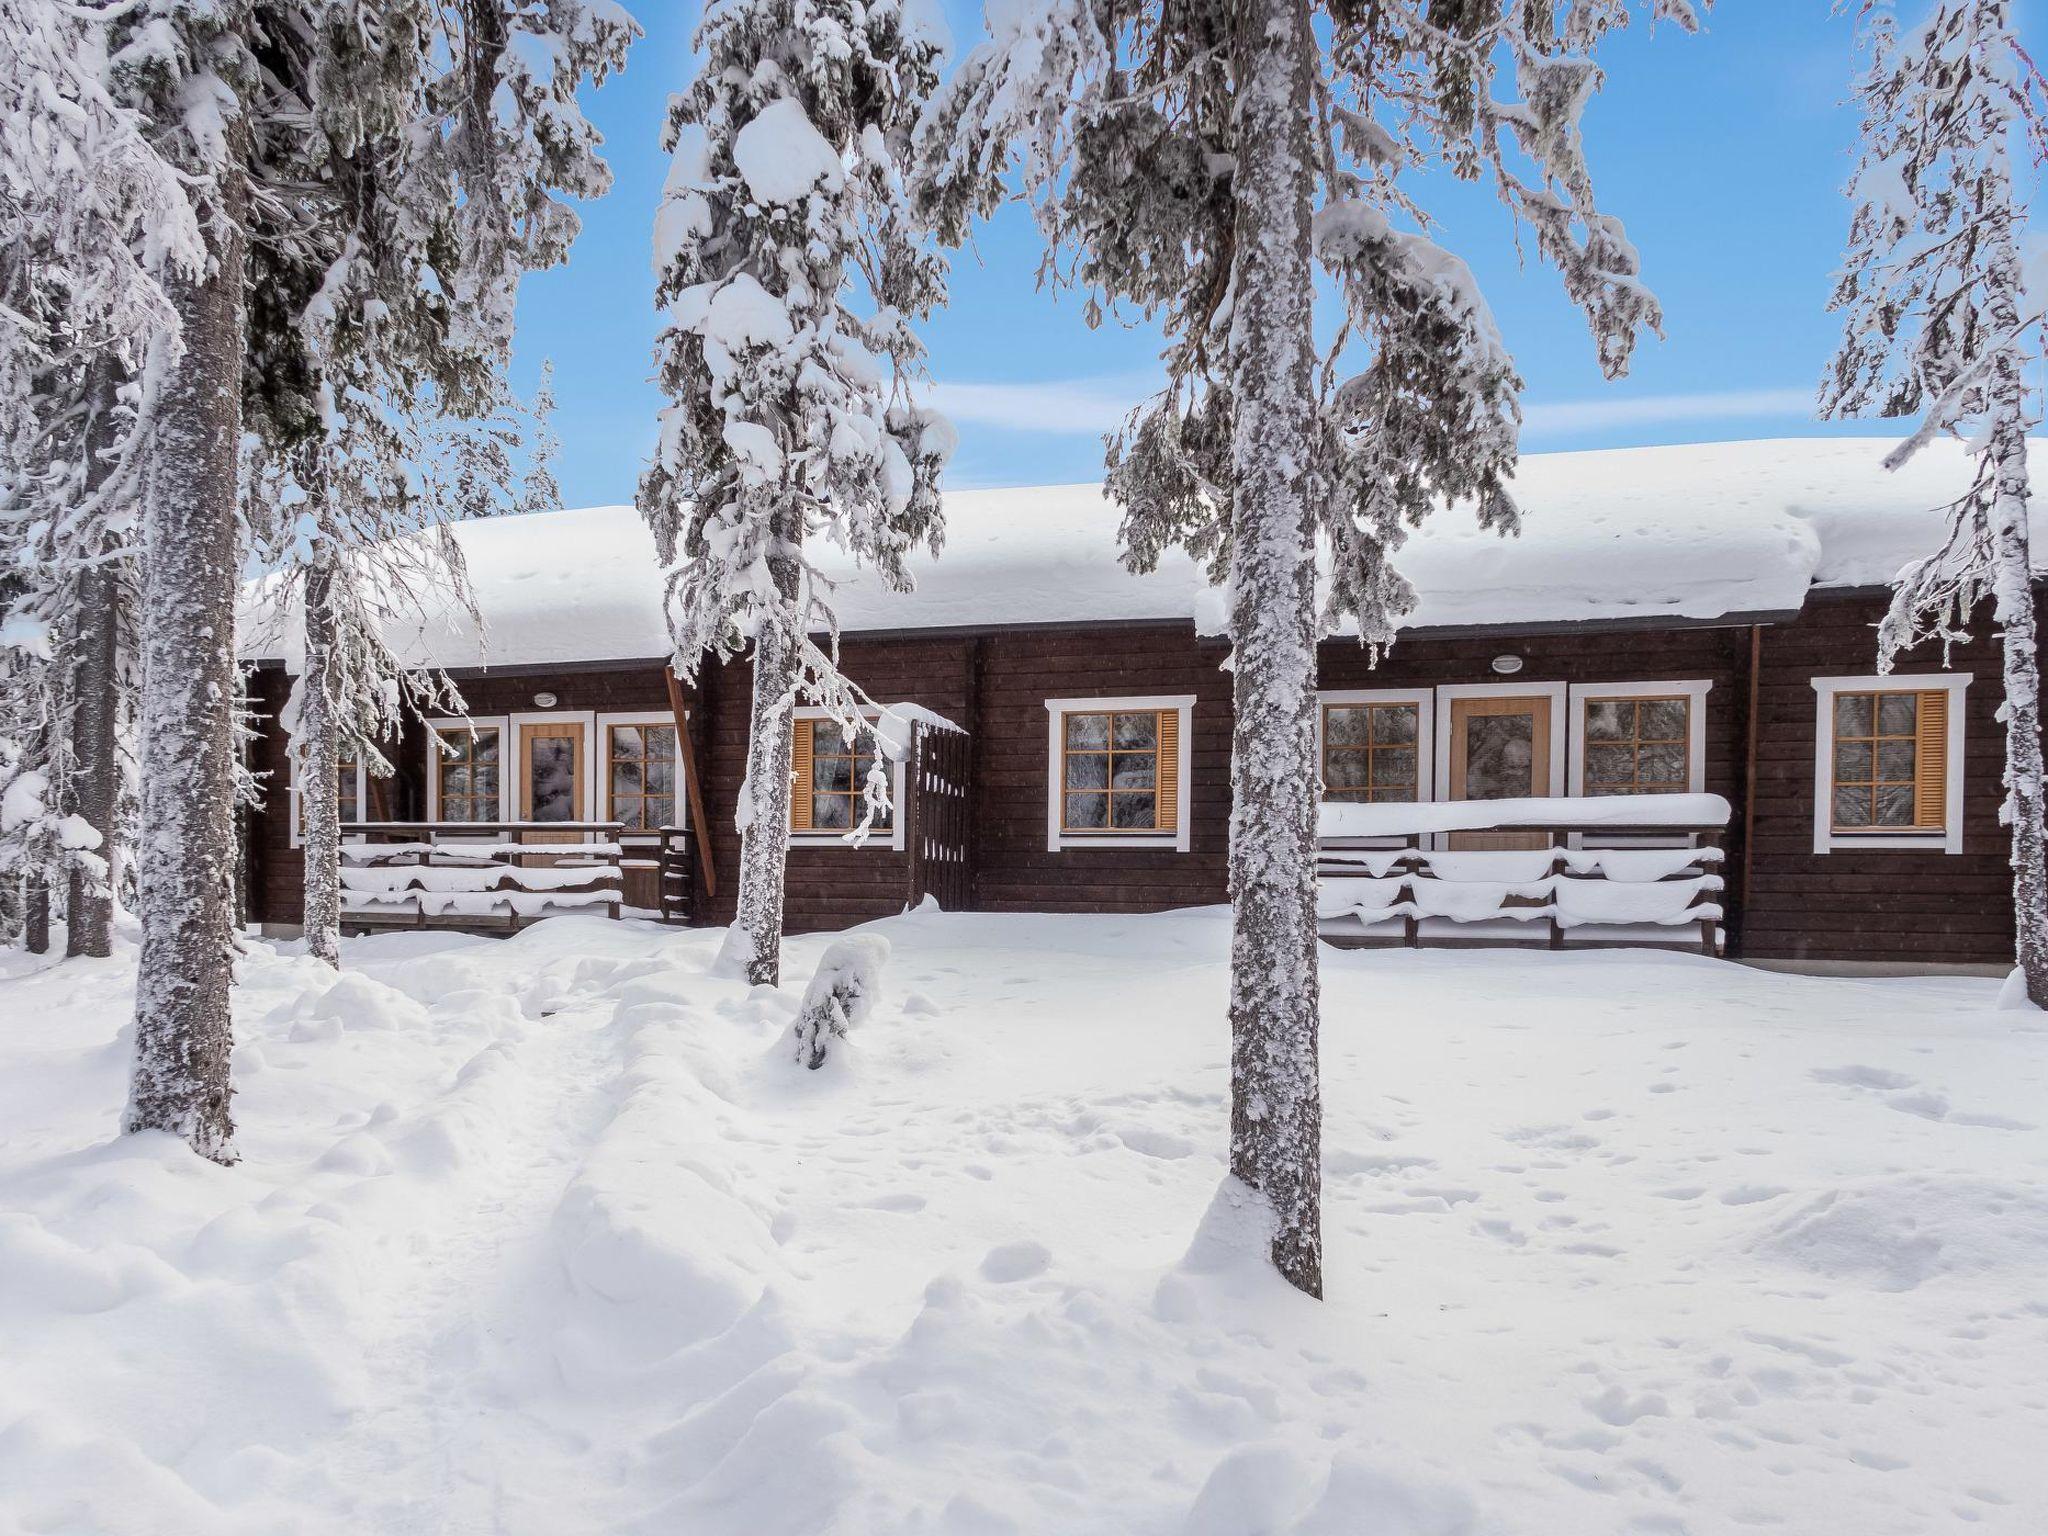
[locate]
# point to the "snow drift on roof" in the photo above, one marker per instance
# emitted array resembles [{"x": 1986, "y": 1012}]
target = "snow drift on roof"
[{"x": 1701, "y": 531}]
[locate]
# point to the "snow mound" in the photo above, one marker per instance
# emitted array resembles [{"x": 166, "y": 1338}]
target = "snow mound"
[{"x": 1901, "y": 1233}]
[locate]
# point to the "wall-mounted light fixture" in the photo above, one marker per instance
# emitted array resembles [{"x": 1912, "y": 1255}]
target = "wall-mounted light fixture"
[
  {"x": 1507, "y": 666},
  {"x": 547, "y": 700}
]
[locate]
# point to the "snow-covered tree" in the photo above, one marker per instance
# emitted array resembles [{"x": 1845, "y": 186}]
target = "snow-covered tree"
[
  {"x": 791, "y": 274},
  {"x": 1197, "y": 163},
  {"x": 371, "y": 181},
  {"x": 1939, "y": 325},
  {"x": 444, "y": 157},
  {"x": 92, "y": 218}
]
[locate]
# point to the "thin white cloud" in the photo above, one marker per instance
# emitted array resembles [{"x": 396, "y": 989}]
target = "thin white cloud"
[
  {"x": 1064, "y": 407},
  {"x": 1561, "y": 417},
  {"x": 1089, "y": 407}
]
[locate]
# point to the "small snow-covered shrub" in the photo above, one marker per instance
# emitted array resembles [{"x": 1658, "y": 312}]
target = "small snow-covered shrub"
[{"x": 841, "y": 994}]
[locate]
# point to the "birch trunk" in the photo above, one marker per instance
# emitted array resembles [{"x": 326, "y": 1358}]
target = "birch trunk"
[
  {"x": 186, "y": 848},
  {"x": 316, "y": 763},
  {"x": 1276, "y": 1099},
  {"x": 764, "y": 834}
]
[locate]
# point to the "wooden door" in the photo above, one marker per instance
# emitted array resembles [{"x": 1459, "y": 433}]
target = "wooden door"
[
  {"x": 1500, "y": 750},
  {"x": 551, "y": 777}
]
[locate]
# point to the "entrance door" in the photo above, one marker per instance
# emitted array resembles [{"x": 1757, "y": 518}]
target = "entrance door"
[
  {"x": 551, "y": 776},
  {"x": 1500, "y": 750}
]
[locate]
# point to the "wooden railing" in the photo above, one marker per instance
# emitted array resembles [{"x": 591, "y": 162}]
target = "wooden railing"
[
  {"x": 1592, "y": 882},
  {"x": 477, "y": 874},
  {"x": 674, "y": 874}
]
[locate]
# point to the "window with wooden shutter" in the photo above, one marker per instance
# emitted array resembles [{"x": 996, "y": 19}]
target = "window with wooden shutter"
[
  {"x": 1890, "y": 760},
  {"x": 800, "y": 778},
  {"x": 1120, "y": 771},
  {"x": 829, "y": 774}
]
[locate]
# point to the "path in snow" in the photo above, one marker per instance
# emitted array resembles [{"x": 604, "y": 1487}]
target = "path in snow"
[{"x": 551, "y": 1236}]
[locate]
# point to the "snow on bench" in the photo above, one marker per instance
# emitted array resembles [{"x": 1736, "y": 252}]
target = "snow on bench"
[
  {"x": 1644, "y": 813},
  {"x": 1608, "y": 894}
]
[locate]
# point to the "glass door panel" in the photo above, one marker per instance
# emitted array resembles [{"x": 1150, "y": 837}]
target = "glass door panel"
[
  {"x": 1500, "y": 750},
  {"x": 551, "y": 775}
]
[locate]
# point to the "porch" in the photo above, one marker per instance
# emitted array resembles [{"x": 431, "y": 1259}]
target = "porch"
[{"x": 501, "y": 876}]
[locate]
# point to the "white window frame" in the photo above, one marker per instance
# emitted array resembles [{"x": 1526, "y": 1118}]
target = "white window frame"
[
  {"x": 293, "y": 793},
  {"x": 508, "y": 767},
  {"x": 1693, "y": 690},
  {"x": 602, "y": 791},
  {"x": 1560, "y": 704},
  {"x": 1825, "y": 838},
  {"x": 1424, "y": 700},
  {"x": 1056, "y": 710},
  {"x": 893, "y": 837}
]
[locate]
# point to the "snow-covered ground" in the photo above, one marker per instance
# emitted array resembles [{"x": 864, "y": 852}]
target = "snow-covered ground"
[{"x": 551, "y": 1236}]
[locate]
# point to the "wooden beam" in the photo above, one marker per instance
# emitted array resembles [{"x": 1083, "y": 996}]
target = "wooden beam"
[
  {"x": 700, "y": 827},
  {"x": 1756, "y": 667}
]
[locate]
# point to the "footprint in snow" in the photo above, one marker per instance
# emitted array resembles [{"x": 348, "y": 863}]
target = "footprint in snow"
[
  {"x": 900, "y": 1205},
  {"x": 1856, "y": 1075},
  {"x": 1751, "y": 1194},
  {"x": 1015, "y": 1261},
  {"x": 1616, "y": 1407}
]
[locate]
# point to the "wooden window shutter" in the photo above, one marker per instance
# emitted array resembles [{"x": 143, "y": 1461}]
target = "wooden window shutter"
[
  {"x": 1930, "y": 761},
  {"x": 800, "y": 776},
  {"x": 1169, "y": 770}
]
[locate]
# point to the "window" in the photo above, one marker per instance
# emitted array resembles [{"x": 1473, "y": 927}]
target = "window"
[
  {"x": 831, "y": 779},
  {"x": 1638, "y": 738},
  {"x": 348, "y": 791},
  {"x": 830, "y": 774},
  {"x": 465, "y": 779},
  {"x": 1888, "y": 762},
  {"x": 1882, "y": 780},
  {"x": 1370, "y": 750},
  {"x": 1110, "y": 778},
  {"x": 1117, "y": 774},
  {"x": 1637, "y": 746},
  {"x": 354, "y": 794},
  {"x": 640, "y": 774}
]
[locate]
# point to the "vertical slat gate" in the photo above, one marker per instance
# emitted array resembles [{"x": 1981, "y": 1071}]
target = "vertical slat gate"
[{"x": 937, "y": 826}]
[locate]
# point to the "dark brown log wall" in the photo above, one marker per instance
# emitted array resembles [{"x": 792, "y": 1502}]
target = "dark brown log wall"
[
  {"x": 832, "y": 886},
  {"x": 1020, "y": 670},
  {"x": 1903, "y": 904}
]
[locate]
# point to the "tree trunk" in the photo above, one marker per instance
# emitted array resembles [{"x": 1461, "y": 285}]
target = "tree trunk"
[
  {"x": 316, "y": 762},
  {"x": 95, "y": 785},
  {"x": 764, "y": 801},
  {"x": 186, "y": 849},
  {"x": 35, "y": 915},
  {"x": 2013, "y": 585},
  {"x": 94, "y": 717},
  {"x": 1276, "y": 1096},
  {"x": 2013, "y": 595}
]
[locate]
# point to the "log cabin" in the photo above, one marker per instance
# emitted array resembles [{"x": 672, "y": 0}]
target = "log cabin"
[{"x": 1667, "y": 680}]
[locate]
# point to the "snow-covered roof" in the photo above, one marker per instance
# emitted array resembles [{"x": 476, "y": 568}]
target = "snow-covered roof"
[{"x": 1701, "y": 531}]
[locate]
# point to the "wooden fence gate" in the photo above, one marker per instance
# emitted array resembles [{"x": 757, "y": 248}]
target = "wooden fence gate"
[{"x": 938, "y": 831}]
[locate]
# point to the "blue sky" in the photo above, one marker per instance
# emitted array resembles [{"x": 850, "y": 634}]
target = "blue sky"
[{"x": 1724, "y": 153}]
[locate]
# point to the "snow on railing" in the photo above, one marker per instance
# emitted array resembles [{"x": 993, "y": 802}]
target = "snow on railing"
[
  {"x": 473, "y": 872},
  {"x": 1376, "y": 873}
]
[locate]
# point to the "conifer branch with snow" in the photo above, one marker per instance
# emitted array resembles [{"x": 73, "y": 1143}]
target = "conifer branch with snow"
[{"x": 1939, "y": 325}]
